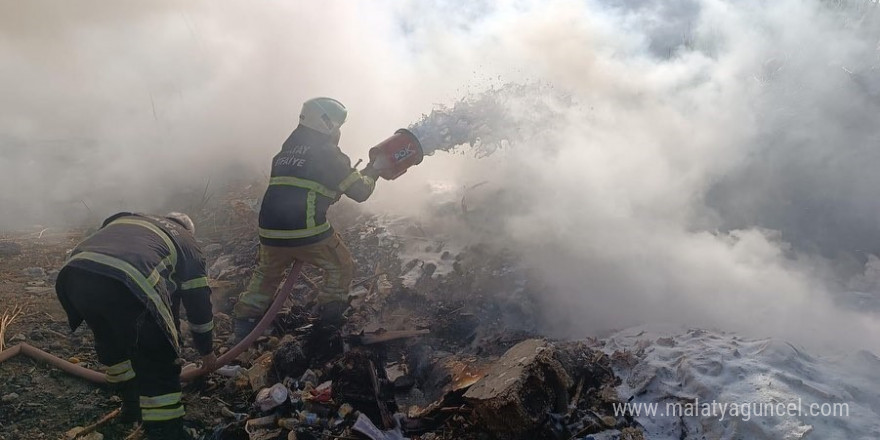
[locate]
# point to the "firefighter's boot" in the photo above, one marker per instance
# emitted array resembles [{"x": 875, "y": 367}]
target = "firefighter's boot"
[
  {"x": 166, "y": 430},
  {"x": 131, "y": 405},
  {"x": 242, "y": 328}
]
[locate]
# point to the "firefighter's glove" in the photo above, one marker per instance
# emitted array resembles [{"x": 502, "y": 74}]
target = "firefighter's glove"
[
  {"x": 209, "y": 362},
  {"x": 371, "y": 172}
]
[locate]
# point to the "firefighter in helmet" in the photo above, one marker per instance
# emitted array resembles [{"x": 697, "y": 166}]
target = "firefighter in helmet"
[
  {"x": 309, "y": 174},
  {"x": 127, "y": 281}
]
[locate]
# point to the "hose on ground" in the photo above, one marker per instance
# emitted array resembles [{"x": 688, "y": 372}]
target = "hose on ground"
[{"x": 280, "y": 296}]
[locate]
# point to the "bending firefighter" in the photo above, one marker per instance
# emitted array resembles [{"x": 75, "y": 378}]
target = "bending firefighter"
[
  {"x": 127, "y": 281},
  {"x": 308, "y": 175}
]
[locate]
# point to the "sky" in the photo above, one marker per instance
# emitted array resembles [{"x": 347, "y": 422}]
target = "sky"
[{"x": 705, "y": 162}]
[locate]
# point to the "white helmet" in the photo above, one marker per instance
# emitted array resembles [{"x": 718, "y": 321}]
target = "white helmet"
[
  {"x": 183, "y": 220},
  {"x": 324, "y": 115}
]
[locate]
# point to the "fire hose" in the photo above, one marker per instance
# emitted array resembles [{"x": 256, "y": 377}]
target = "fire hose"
[{"x": 99, "y": 378}]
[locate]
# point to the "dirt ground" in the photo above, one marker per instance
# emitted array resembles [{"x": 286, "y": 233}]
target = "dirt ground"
[{"x": 39, "y": 401}]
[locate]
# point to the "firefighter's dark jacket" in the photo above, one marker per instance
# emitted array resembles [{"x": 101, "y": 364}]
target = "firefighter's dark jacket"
[
  {"x": 308, "y": 175},
  {"x": 160, "y": 263}
]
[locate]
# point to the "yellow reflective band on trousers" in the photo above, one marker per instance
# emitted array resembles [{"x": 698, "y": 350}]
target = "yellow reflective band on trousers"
[
  {"x": 280, "y": 234},
  {"x": 202, "y": 328},
  {"x": 310, "y": 209},
  {"x": 160, "y": 401},
  {"x": 161, "y": 415},
  {"x": 148, "y": 289},
  {"x": 155, "y": 229},
  {"x": 305, "y": 184},
  {"x": 194, "y": 283},
  {"x": 122, "y": 377},
  {"x": 119, "y": 368},
  {"x": 120, "y": 372}
]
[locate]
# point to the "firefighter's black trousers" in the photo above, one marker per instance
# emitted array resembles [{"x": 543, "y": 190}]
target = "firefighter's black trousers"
[{"x": 129, "y": 342}]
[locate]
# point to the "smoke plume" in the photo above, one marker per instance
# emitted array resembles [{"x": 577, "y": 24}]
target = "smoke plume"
[{"x": 705, "y": 162}]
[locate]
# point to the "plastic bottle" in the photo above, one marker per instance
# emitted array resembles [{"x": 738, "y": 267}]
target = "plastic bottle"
[
  {"x": 231, "y": 370},
  {"x": 269, "y": 398},
  {"x": 309, "y": 418},
  {"x": 344, "y": 410}
]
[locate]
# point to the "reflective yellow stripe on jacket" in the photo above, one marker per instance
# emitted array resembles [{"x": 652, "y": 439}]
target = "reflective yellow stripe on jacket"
[
  {"x": 311, "y": 229},
  {"x": 141, "y": 281},
  {"x": 172, "y": 256},
  {"x": 354, "y": 177},
  {"x": 169, "y": 262},
  {"x": 194, "y": 283},
  {"x": 305, "y": 184},
  {"x": 310, "y": 209}
]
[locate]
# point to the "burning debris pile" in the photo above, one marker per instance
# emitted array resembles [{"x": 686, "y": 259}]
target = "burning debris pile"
[{"x": 440, "y": 343}]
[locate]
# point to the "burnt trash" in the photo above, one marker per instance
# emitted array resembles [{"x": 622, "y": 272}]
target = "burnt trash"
[
  {"x": 465, "y": 378},
  {"x": 323, "y": 343},
  {"x": 321, "y": 394},
  {"x": 358, "y": 382},
  {"x": 448, "y": 374},
  {"x": 291, "y": 321},
  {"x": 231, "y": 431},
  {"x": 419, "y": 361},
  {"x": 404, "y": 382},
  {"x": 585, "y": 363},
  {"x": 257, "y": 374},
  {"x": 520, "y": 389},
  {"x": 272, "y": 397},
  {"x": 455, "y": 325},
  {"x": 231, "y": 370},
  {"x": 290, "y": 359},
  {"x": 366, "y": 427},
  {"x": 309, "y": 376}
]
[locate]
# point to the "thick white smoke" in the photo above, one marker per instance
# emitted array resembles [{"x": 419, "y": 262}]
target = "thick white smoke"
[
  {"x": 651, "y": 197},
  {"x": 119, "y": 106},
  {"x": 708, "y": 162}
]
